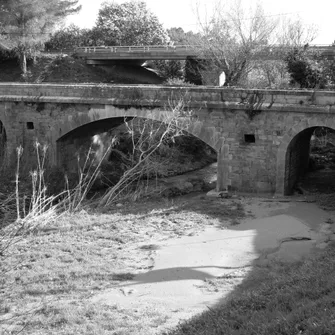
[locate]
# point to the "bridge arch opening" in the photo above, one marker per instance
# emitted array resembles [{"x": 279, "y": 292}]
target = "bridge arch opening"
[
  {"x": 3, "y": 143},
  {"x": 99, "y": 134},
  {"x": 310, "y": 162},
  {"x": 80, "y": 139}
]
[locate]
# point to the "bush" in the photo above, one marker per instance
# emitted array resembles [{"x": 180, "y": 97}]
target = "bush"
[
  {"x": 6, "y": 55},
  {"x": 177, "y": 82},
  {"x": 169, "y": 69},
  {"x": 306, "y": 69}
]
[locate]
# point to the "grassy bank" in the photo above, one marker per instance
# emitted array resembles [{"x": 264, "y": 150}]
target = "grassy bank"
[{"x": 285, "y": 299}]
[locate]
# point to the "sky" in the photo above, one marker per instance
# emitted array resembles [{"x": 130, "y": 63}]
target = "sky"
[{"x": 182, "y": 13}]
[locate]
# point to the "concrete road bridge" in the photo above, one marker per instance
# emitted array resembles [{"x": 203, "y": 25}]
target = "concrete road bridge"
[
  {"x": 103, "y": 54},
  {"x": 262, "y": 137}
]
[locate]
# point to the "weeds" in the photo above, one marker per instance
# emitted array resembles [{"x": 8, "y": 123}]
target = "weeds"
[
  {"x": 37, "y": 210},
  {"x": 87, "y": 176},
  {"x": 235, "y": 222},
  {"x": 40, "y": 208}
]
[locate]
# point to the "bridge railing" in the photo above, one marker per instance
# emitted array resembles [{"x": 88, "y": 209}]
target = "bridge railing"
[
  {"x": 174, "y": 51},
  {"x": 132, "y": 48}
]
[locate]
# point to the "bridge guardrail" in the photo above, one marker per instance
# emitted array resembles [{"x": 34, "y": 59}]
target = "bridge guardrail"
[
  {"x": 132, "y": 48},
  {"x": 171, "y": 48},
  {"x": 183, "y": 51}
]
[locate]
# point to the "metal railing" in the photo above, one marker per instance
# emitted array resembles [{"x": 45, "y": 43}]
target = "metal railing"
[
  {"x": 172, "y": 48},
  {"x": 180, "y": 51},
  {"x": 133, "y": 49}
]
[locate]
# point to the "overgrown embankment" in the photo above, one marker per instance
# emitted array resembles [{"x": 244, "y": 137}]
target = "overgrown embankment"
[{"x": 63, "y": 68}]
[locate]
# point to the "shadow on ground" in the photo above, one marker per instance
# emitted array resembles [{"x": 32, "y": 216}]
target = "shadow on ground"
[{"x": 271, "y": 290}]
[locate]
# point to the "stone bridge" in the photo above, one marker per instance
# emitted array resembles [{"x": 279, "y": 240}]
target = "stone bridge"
[{"x": 261, "y": 136}]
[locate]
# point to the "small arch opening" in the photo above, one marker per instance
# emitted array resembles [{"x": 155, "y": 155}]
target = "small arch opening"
[{"x": 310, "y": 162}]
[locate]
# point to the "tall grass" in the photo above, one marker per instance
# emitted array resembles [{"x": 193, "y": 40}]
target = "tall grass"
[
  {"x": 23, "y": 215},
  {"x": 88, "y": 174},
  {"x": 38, "y": 208}
]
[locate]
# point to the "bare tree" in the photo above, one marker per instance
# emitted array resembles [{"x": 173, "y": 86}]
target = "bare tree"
[
  {"x": 147, "y": 138},
  {"x": 295, "y": 33},
  {"x": 231, "y": 37},
  {"x": 241, "y": 41}
]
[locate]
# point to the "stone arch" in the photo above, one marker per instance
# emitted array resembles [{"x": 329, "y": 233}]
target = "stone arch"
[
  {"x": 110, "y": 116},
  {"x": 305, "y": 128}
]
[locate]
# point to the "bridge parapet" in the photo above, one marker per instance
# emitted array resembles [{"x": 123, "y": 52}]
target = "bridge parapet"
[
  {"x": 160, "y": 96},
  {"x": 180, "y": 52},
  {"x": 136, "y": 48}
]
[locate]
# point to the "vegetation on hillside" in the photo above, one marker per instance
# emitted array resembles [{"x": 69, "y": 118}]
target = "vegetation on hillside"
[{"x": 65, "y": 68}]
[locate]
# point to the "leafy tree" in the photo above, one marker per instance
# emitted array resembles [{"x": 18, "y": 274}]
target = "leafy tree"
[
  {"x": 67, "y": 38},
  {"x": 169, "y": 69},
  {"x": 309, "y": 69},
  {"x": 179, "y": 37},
  {"x": 27, "y": 24},
  {"x": 129, "y": 23},
  {"x": 73, "y": 36},
  {"x": 329, "y": 72},
  {"x": 304, "y": 70}
]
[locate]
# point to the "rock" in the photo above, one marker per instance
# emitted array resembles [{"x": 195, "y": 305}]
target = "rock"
[
  {"x": 216, "y": 194},
  {"x": 186, "y": 187}
]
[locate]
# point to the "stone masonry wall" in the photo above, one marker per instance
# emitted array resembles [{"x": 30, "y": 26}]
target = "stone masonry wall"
[
  {"x": 251, "y": 129},
  {"x": 252, "y": 165}
]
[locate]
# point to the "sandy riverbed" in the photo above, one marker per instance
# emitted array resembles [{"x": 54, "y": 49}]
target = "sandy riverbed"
[{"x": 185, "y": 271}]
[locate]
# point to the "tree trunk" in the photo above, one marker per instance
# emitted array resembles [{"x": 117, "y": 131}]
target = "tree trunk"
[{"x": 23, "y": 62}]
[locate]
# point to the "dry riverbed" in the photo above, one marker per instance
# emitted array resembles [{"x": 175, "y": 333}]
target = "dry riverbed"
[{"x": 141, "y": 268}]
